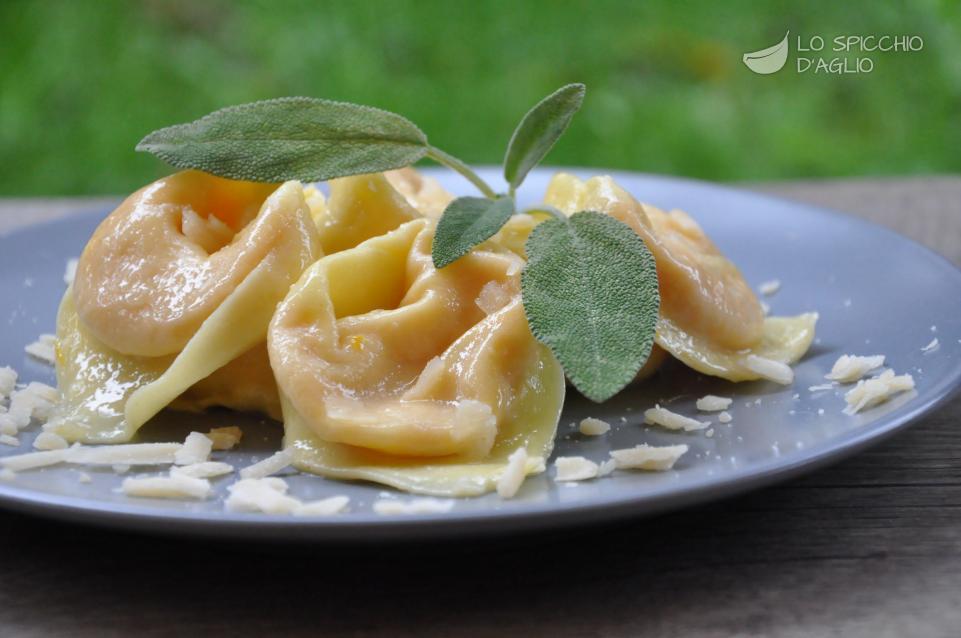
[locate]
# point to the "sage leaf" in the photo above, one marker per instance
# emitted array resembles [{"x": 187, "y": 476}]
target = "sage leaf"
[
  {"x": 591, "y": 295},
  {"x": 300, "y": 138},
  {"x": 466, "y": 222},
  {"x": 539, "y": 130}
]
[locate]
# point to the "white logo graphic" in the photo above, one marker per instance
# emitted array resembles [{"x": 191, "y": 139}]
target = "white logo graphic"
[{"x": 769, "y": 60}]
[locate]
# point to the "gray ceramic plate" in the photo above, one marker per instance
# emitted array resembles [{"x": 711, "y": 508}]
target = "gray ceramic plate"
[{"x": 877, "y": 292}]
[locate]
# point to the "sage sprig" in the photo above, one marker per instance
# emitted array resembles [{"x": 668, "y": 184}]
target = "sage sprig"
[
  {"x": 300, "y": 138},
  {"x": 589, "y": 287},
  {"x": 540, "y": 128},
  {"x": 590, "y": 294},
  {"x": 467, "y": 221}
]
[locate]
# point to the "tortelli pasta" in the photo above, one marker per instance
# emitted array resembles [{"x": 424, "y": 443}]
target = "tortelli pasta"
[
  {"x": 174, "y": 291},
  {"x": 394, "y": 371},
  {"x": 328, "y": 313},
  {"x": 710, "y": 318}
]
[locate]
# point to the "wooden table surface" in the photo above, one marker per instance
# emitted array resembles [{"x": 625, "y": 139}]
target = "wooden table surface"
[{"x": 868, "y": 547}]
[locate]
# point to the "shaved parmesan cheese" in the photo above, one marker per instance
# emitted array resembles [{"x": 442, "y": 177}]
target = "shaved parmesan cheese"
[
  {"x": 574, "y": 468},
  {"x": 266, "y": 495},
  {"x": 607, "y": 467},
  {"x": 711, "y": 403},
  {"x": 933, "y": 345},
  {"x": 724, "y": 417},
  {"x": 34, "y": 401},
  {"x": 6, "y": 474},
  {"x": 173, "y": 486},
  {"x": 225, "y": 438},
  {"x": 391, "y": 507},
  {"x": 594, "y": 427},
  {"x": 493, "y": 296},
  {"x": 8, "y": 439},
  {"x": 769, "y": 369},
  {"x": 43, "y": 349},
  {"x": 270, "y": 465},
  {"x": 269, "y": 496},
  {"x": 127, "y": 454},
  {"x": 8, "y": 381},
  {"x": 514, "y": 474},
  {"x": 648, "y": 457},
  {"x": 196, "y": 449},
  {"x": 120, "y": 468},
  {"x": 50, "y": 441},
  {"x": 208, "y": 232},
  {"x": 324, "y": 507},
  {"x": 7, "y": 425},
  {"x": 70, "y": 271},
  {"x": 205, "y": 469},
  {"x": 672, "y": 420},
  {"x": 33, "y": 460},
  {"x": 821, "y": 388},
  {"x": 769, "y": 288},
  {"x": 849, "y": 368},
  {"x": 83, "y": 477},
  {"x": 870, "y": 392}
]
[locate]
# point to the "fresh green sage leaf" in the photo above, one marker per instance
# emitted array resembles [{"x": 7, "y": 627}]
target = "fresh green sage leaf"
[
  {"x": 537, "y": 132},
  {"x": 300, "y": 138},
  {"x": 590, "y": 293},
  {"x": 467, "y": 221}
]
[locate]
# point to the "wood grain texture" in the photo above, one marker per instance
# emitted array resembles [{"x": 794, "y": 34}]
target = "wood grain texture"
[{"x": 868, "y": 547}]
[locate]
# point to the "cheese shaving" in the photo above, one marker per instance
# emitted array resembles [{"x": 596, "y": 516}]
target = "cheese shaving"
[
  {"x": 43, "y": 349},
  {"x": 9, "y": 439},
  {"x": 672, "y": 420},
  {"x": 126, "y": 454},
  {"x": 769, "y": 369},
  {"x": 574, "y": 468},
  {"x": 724, "y": 417},
  {"x": 174, "y": 486},
  {"x": 205, "y": 469},
  {"x": 821, "y": 388},
  {"x": 850, "y": 368},
  {"x": 492, "y": 297},
  {"x": 270, "y": 465},
  {"x": 33, "y": 460},
  {"x": 70, "y": 271},
  {"x": 196, "y": 449},
  {"x": 35, "y": 401},
  {"x": 648, "y": 457},
  {"x": 933, "y": 345},
  {"x": 769, "y": 288},
  {"x": 267, "y": 495},
  {"x": 391, "y": 507},
  {"x": 594, "y": 427},
  {"x": 324, "y": 507},
  {"x": 607, "y": 467},
  {"x": 712, "y": 403},
  {"x": 871, "y": 392},
  {"x": 515, "y": 472},
  {"x": 50, "y": 441},
  {"x": 8, "y": 381}
]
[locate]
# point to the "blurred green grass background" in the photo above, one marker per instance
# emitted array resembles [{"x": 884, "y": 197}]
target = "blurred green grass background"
[{"x": 81, "y": 81}]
